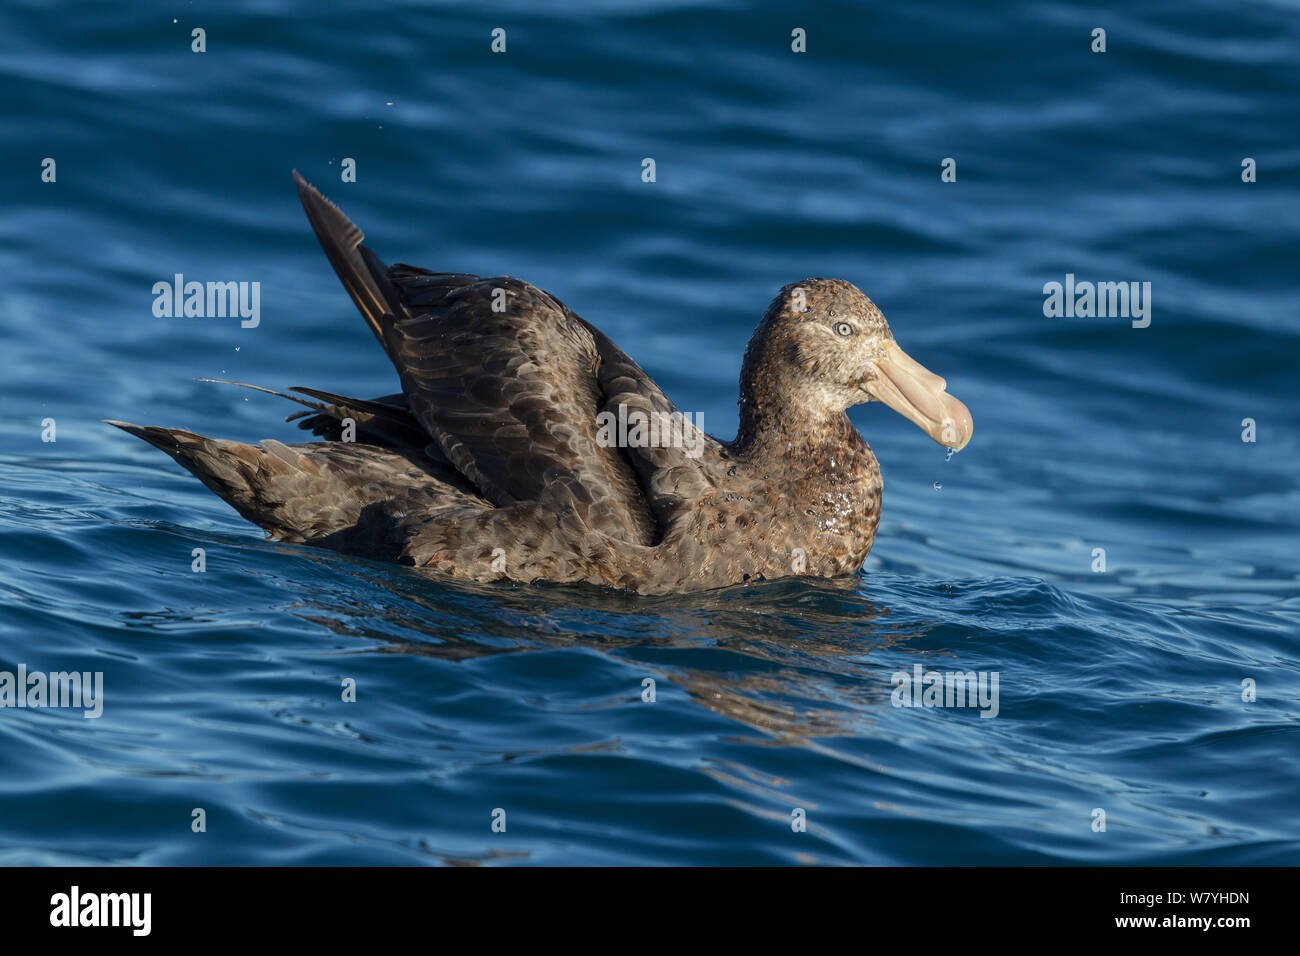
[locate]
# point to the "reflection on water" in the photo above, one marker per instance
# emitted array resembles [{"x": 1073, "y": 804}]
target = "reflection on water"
[{"x": 783, "y": 657}]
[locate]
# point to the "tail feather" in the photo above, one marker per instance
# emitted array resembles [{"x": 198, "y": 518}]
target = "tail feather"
[
  {"x": 231, "y": 469},
  {"x": 319, "y": 492},
  {"x": 385, "y": 421},
  {"x": 281, "y": 490}
]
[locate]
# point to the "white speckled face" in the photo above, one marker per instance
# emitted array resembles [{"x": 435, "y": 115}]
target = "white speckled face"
[{"x": 844, "y": 346}]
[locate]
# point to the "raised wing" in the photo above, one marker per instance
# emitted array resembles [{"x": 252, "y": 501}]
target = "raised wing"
[
  {"x": 501, "y": 375},
  {"x": 504, "y": 378}
]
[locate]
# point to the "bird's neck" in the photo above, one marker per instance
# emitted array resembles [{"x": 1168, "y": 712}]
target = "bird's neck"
[
  {"x": 796, "y": 424},
  {"x": 799, "y": 432}
]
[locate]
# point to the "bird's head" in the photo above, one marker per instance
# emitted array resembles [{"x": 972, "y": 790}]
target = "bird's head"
[{"x": 827, "y": 347}]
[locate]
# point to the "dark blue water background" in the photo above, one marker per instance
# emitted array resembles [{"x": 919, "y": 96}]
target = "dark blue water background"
[{"x": 1119, "y": 691}]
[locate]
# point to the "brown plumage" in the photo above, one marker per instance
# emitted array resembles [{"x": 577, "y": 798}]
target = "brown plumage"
[{"x": 500, "y": 458}]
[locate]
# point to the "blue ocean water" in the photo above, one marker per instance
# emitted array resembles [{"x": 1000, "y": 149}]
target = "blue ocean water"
[{"x": 1119, "y": 690}]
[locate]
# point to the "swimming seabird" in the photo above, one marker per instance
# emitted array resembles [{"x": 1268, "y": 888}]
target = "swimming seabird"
[{"x": 498, "y": 459}]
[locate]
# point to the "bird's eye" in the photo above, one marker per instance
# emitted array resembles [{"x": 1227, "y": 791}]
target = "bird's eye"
[{"x": 843, "y": 328}]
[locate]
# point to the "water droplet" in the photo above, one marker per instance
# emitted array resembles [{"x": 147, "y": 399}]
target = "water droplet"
[
  {"x": 948, "y": 457},
  {"x": 938, "y": 486}
]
